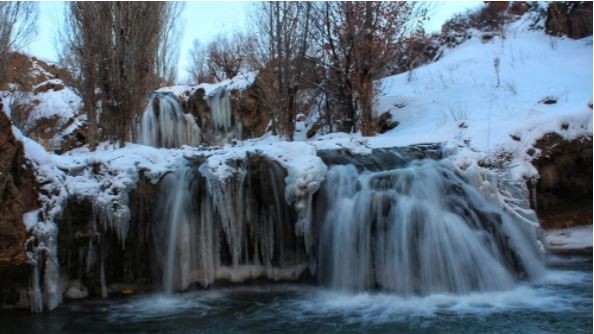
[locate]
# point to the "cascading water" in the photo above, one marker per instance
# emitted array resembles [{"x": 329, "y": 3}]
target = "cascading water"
[
  {"x": 234, "y": 229},
  {"x": 418, "y": 229},
  {"x": 176, "y": 208},
  {"x": 387, "y": 222},
  {"x": 219, "y": 102},
  {"x": 220, "y": 106},
  {"x": 164, "y": 124}
]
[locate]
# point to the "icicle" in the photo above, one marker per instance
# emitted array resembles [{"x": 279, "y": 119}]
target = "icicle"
[
  {"x": 228, "y": 202},
  {"x": 35, "y": 294},
  {"x": 102, "y": 276},
  {"x": 164, "y": 124},
  {"x": 220, "y": 107}
]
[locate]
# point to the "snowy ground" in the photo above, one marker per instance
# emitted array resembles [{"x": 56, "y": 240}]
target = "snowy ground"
[{"x": 569, "y": 239}]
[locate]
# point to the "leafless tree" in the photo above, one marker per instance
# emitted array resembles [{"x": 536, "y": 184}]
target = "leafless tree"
[
  {"x": 281, "y": 49},
  {"x": 198, "y": 68},
  {"x": 115, "y": 47},
  {"x": 223, "y": 58},
  {"x": 168, "y": 55},
  {"x": 18, "y": 25},
  {"x": 357, "y": 40}
]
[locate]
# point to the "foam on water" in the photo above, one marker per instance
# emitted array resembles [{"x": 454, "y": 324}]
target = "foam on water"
[
  {"x": 548, "y": 295},
  {"x": 165, "y": 306}
]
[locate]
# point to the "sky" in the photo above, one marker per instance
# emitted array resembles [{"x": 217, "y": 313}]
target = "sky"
[{"x": 200, "y": 20}]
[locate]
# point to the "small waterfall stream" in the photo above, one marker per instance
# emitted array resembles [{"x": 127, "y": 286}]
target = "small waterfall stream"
[
  {"x": 175, "y": 207},
  {"x": 164, "y": 124},
  {"x": 417, "y": 229}
]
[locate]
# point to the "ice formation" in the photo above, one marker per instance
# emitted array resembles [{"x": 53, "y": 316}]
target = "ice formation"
[
  {"x": 220, "y": 106},
  {"x": 164, "y": 124},
  {"x": 222, "y": 228}
]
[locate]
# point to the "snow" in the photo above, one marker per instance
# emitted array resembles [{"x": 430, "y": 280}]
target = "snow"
[
  {"x": 63, "y": 104},
  {"x": 569, "y": 239},
  {"x": 458, "y": 101},
  {"x": 239, "y": 82}
]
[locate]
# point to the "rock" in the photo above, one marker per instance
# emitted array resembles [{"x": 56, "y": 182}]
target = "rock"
[
  {"x": 54, "y": 85},
  {"x": 251, "y": 112},
  {"x": 563, "y": 194},
  {"x": 18, "y": 195},
  {"x": 385, "y": 123},
  {"x": 300, "y": 118},
  {"x": 548, "y": 100},
  {"x": 76, "y": 291},
  {"x": 569, "y": 18}
]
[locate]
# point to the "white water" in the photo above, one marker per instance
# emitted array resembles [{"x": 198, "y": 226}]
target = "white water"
[
  {"x": 206, "y": 229},
  {"x": 165, "y": 124},
  {"x": 175, "y": 207},
  {"x": 418, "y": 230},
  {"x": 225, "y": 126},
  {"x": 220, "y": 106},
  {"x": 415, "y": 230}
]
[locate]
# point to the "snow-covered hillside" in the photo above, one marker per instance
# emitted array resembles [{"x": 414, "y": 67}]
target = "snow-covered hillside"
[{"x": 494, "y": 96}]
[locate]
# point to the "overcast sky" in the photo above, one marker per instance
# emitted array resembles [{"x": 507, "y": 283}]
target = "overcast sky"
[{"x": 202, "y": 21}]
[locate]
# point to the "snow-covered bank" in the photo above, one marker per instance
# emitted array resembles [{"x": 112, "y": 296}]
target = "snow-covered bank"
[{"x": 573, "y": 239}]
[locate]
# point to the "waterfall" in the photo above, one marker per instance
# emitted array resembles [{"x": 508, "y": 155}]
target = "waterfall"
[
  {"x": 391, "y": 221},
  {"x": 417, "y": 229},
  {"x": 220, "y": 106},
  {"x": 164, "y": 124},
  {"x": 175, "y": 207},
  {"x": 225, "y": 127},
  {"x": 236, "y": 229}
]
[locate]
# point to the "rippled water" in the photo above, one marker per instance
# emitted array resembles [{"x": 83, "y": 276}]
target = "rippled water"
[{"x": 560, "y": 302}]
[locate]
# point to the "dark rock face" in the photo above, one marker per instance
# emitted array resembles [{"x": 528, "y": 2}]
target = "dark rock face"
[
  {"x": 18, "y": 195},
  {"x": 569, "y": 18},
  {"x": 563, "y": 194},
  {"x": 93, "y": 255},
  {"x": 251, "y": 112}
]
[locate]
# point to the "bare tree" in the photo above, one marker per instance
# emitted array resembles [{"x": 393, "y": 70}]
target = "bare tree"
[
  {"x": 282, "y": 46},
  {"x": 223, "y": 58},
  {"x": 168, "y": 55},
  {"x": 115, "y": 46},
  {"x": 198, "y": 68},
  {"x": 17, "y": 28},
  {"x": 357, "y": 41}
]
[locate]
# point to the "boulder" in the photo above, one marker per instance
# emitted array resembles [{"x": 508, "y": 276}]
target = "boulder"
[{"x": 385, "y": 122}]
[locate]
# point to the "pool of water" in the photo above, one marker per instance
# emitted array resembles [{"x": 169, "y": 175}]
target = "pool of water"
[{"x": 561, "y": 302}]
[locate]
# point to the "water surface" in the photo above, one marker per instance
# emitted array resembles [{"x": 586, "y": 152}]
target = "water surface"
[{"x": 561, "y": 302}]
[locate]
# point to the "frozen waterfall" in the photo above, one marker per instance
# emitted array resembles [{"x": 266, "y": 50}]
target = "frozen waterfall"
[
  {"x": 225, "y": 126},
  {"x": 207, "y": 229},
  {"x": 164, "y": 124}
]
